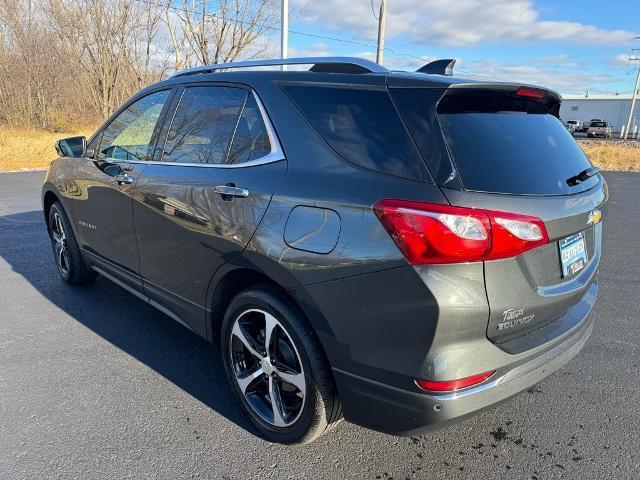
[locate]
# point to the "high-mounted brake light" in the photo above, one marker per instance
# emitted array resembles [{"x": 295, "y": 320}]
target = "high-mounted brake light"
[
  {"x": 430, "y": 233},
  {"x": 530, "y": 92},
  {"x": 453, "y": 385}
]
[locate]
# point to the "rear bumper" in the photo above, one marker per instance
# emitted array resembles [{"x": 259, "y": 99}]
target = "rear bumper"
[{"x": 401, "y": 412}]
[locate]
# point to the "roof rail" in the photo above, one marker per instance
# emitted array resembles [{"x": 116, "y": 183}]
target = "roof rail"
[
  {"x": 320, "y": 64},
  {"x": 439, "y": 67}
]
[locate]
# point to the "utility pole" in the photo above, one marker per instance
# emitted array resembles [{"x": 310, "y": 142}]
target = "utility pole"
[
  {"x": 284, "y": 31},
  {"x": 633, "y": 58},
  {"x": 381, "y": 20}
]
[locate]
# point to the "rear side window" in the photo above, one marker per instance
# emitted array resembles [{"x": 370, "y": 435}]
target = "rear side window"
[
  {"x": 362, "y": 126},
  {"x": 203, "y": 125}
]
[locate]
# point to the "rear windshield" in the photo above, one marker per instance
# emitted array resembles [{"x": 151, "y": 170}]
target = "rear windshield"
[
  {"x": 598, "y": 124},
  {"x": 504, "y": 143},
  {"x": 516, "y": 153}
]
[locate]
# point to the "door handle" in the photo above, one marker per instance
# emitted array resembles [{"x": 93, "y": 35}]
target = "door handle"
[
  {"x": 231, "y": 191},
  {"x": 124, "y": 178}
]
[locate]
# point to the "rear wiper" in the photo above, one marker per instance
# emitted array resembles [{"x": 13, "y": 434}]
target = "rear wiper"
[{"x": 582, "y": 176}]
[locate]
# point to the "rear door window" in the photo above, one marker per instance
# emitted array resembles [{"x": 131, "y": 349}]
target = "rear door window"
[
  {"x": 203, "y": 125},
  {"x": 362, "y": 126},
  {"x": 251, "y": 140}
]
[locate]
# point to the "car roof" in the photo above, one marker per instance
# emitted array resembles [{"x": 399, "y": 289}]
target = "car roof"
[{"x": 332, "y": 70}]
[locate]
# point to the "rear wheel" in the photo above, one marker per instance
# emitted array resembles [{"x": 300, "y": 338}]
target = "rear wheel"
[
  {"x": 66, "y": 252},
  {"x": 277, "y": 368}
]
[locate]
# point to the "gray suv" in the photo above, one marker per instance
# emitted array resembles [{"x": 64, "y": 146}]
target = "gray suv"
[{"x": 398, "y": 249}]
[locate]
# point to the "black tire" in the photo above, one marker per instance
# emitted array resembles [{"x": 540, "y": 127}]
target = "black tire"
[
  {"x": 320, "y": 408},
  {"x": 66, "y": 252}
]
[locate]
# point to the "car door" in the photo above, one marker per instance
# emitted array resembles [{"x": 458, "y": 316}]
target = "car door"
[
  {"x": 103, "y": 209},
  {"x": 201, "y": 199}
]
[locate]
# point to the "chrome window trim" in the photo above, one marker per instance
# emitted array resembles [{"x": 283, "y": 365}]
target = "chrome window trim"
[
  {"x": 275, "y": 155},
  {"x": 270, "y": 158}
]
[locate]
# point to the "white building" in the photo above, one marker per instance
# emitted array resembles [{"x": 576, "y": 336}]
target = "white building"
[{"x": 611, "y": 108}]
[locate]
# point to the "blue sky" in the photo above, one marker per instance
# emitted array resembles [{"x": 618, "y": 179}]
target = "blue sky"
[{"x": 572, "y": 46}]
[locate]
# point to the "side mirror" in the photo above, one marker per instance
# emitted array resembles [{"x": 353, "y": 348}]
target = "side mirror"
[{"x": 71, "y": 147}]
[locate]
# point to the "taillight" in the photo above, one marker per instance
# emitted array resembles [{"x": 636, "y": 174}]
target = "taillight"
[
  {"x": 431, "y": 233},
  {"x": 453, "y": 385},
  {"x": 513, "y": 234}
]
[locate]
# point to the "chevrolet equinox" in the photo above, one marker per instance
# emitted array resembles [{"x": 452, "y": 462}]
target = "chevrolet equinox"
[{"x": 398, "y": 249}]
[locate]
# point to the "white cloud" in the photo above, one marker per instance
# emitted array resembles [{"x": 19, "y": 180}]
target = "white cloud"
[
  {"x": 544, "y": 73},
  {"x": 619, "y": 60},
  {"x": 455, "y": 23}
]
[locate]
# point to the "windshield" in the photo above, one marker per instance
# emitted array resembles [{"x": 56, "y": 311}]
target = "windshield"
[
  {"x": 517, "y": 153},
  {"x": 598, "y": 124}
]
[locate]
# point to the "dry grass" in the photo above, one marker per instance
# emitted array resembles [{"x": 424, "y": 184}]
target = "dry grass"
[
  {"x": 612, "y": 154},
  {"x": 29, "y": 148}
]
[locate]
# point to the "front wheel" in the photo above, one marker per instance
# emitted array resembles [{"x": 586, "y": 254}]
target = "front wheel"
[
  {"x": 66, "y": 252},
  {"x": 277, "y": 368}
]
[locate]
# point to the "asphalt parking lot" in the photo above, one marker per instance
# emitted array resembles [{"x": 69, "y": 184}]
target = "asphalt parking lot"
[{"x": 94, "y": 383}]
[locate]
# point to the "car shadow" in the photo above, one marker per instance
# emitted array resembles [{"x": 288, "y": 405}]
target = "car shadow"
[{"x": 122, "y": 319}]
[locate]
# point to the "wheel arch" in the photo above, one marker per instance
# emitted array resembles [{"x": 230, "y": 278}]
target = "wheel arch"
[
  {"x": 49, "y": 197},
  {"x": 228, "y": 283}
]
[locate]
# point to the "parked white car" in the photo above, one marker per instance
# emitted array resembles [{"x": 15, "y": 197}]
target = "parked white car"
[
  {"x": 599, "y": 129},
  {"x": 574, "y": 126}
]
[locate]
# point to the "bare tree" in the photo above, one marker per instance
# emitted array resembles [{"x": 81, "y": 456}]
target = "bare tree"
[
  {"x": 148, "y": 61},
  {"x": 222, "y": 31},
  {"x": 28, "y": 63},
  {"x": 65, "y": 63},
  {"x": 100, "y": 43}
]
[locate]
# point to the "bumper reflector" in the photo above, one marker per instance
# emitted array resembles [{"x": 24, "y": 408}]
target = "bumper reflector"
[{"x": 453, "y": 385}]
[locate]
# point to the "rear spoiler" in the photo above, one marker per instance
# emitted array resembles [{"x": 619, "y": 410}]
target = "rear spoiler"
[
  {"x": 504, "y": 92},
  {"x": 505, "y": 87}
]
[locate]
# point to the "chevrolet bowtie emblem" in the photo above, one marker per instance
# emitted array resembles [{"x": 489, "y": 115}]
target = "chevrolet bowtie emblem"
[{"x": 594, "y": 217}]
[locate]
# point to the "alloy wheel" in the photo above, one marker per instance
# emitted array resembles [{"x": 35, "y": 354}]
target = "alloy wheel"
[
  {"x": 267, "y": 367},
  {"x": 60, "y": 244}
]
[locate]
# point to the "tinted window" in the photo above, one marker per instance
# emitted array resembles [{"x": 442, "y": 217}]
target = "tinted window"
[
  {"x": 203, "y": 125},
  {"x": 418, "y": 108},
  {"x": 517, "y": 153},
  {"x": 128, "y": 137},
  {"x": 362, "y": 126},
  {"x": 598, "y": 124},
  {"x": 251, "y": 140}
]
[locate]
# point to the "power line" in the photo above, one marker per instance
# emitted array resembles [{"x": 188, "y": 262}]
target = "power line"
[
  {"x": 292, "y": 32},
  {"x": 299, "y": 12},
  {"x": 373, "y": 11}
]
